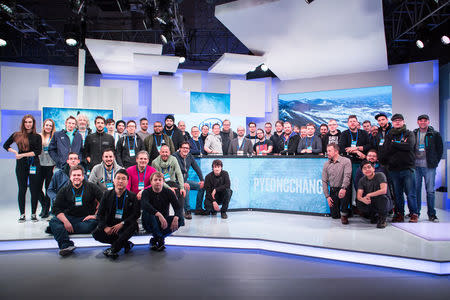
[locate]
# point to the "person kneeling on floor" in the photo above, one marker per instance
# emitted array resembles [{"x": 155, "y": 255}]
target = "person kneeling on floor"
[
  {"x": 372, "y": 198},
  {"x": 117, "y": 216},
  {"x": 218, "y": 191},
  {"x": 155, "y": 211}
]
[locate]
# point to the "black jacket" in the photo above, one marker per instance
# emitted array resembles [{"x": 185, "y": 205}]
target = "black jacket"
[
  {"x": 292, "y": 144},
  {"x": 380, "y": 136},
  {"x": 35, "y": 144},
  {"x": 176, "y": 135},
  {"x": 397, "y": 152},
  {"x": 185, "y": 165},
  {"x": 65, "y": 200},
  {"x": 276, "y": 140},
  {"x": 124, "y": 144},
  {"x": 326, "y": 139},
  {"x": 345, "y": 140},
  {"x": 107, "y": 209},
  {"x": 220, "y": 183},
  {"x": 433, "y": 146},
  {"x": 94, "y": 145},
  {"x": 226, "y": 139},
  {"x": 153, "y": 202}
]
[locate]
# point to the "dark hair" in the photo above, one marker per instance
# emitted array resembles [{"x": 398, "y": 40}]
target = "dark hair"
[
  {"x": 109, "y": 121},
  {"x": 215, "y": 125},
  {"x": 122, "y": 171},
  {"x": 143, "y": 119},
  {"x": 268, "y": 123},
  {"x": 324, "y": 125},
  {"x": 334, "y": 145},
  {"x": 259, "y": 129},
  {"x": 156, "y": 174},
  {"x": 310, "y": 124},
  {"x": 21, "y": 137},
  {"x": 251, "y": 123},
  {"x": 108, "y": 149},
  {"x": 367, "y": 121},
  {"x": 71, "y": 153},
  {"x": 120, "y": 121},
  {"x": 366, "y": 162},
  {"x": 204, "y": 126},
  {"x": 76, "y": 168},
  {"x": 373, "y": 150},
  {"x": 99, "y": 117},
  {"x": 279, "y": 121},
  {"x": 217, "y": 162},
  {"x": 352, "y": 117},
  {"x": 131, "y": 121},
  {"x": 71, "y": 117},
  {"x": 185, "y": 143}
]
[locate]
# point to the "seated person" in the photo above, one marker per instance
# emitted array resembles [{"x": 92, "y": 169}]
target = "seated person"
[
  {"x": 240, "y": 145},
  {"x": 74, "y": 209},
  {"x": 218, "y": 191},
  {"x": 371, "y": 195},
  {"x": 310, "y": 144},
  {"x": 139, "y": 176},
  {"x": 196, "y": 143},
  {"x": 155, "y": 211},
  {"x": 117, "y": 217},
  {"x": 102, "y": 174},
  {"x": 262, "y": 146}
]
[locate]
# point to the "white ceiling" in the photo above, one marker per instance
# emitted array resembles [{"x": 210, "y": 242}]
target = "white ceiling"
[
  {"x": 236, "y": 64},
  {"x": 300, "y": 40},
  {"x": 130, "y": 58}
]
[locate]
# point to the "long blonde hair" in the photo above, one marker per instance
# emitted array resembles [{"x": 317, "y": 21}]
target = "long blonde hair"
[{"x": 43, "y": 133}]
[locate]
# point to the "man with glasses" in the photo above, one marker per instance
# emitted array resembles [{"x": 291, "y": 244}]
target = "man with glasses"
[
  {"x": 128, "y": 146},
  {"x": 195, "y": 142},
  {"x": 155, "y": 140},
  {"x": 227, "y": 135}
]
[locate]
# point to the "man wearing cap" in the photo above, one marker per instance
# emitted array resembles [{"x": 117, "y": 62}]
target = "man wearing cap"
[
  {"x": 428, "y": 149},
  {"x": 398, "y": 155},
  {"x": 383, "y": 130},
  {"x": 172, "y": 131}
]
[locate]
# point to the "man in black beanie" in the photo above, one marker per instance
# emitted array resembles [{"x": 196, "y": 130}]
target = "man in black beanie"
[{"x": 172, "y": 131}]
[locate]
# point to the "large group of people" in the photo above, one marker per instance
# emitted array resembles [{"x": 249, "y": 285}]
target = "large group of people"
[{"x": 101, "y": 181}]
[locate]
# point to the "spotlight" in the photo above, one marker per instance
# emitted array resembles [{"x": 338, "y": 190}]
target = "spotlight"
[
  {"x": 161, "y": 21},
  {"x": 420, "y": 44},
  {"x": 163, "y": 39},
  {"x": 71, "y": 42},
  {"x": 264, "y": 68},
  {"x": 445, "y": 40},
  {"x": 182, "y": 59},
  {"x": 2, "y": 43},
  {"x": 6, "y": 8},
  {"x": 309, "y": 1}
]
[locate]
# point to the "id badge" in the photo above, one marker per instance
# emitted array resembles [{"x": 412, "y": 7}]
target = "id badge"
[
  {"x": 166, "y": 177},
  {"x": 421, "y": 148},
  {"x": 353, "y": 143},
  {"x": 45, "y": 149},
  {"x": 132, "y": 153},
  {"x": 119, "y": 214},
  {"x": 78, "y": 201},
  {"x": 109, "y": 186},
  {"x": 285, "y": 147},
  {"x": 240, "y": 152},
  {"x": 32, "y": 170},
  {"x": 309, "y": 148},
  {"x": 381, "y": 142},
  {"x": 141, "y": 185},
  {"x": 158, "y": 148},
  {"x": 88, "y": 172}
]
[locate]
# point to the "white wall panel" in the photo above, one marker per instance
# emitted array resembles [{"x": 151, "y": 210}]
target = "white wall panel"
[
  {"x": 20, "y": 87},
  {"x": 168, "y": 96},
  {"x": 192, "y": 82},
  {"x": 70, "y": 94},
  {"x": 103, "y": 98},
  {"x": 130, "y": 96},
  {"x": 247, "y": 98},
  {"x": 51, "y": 97}
]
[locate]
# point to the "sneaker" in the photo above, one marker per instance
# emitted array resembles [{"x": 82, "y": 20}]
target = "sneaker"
[
  {"x": 381, "y": 223},
  {"x": 398, "y": 218},
  {"x": 45, "y": 215},
  {"x": 67, "y": 251},
  {"x": 110, "y": 253},
  {"x": 128, "y": 246},
  {"x": 414, "y": 218},
  {"x": 224, "y": 215},
  {"x": 188, "y": 215},
  {"x": 160, "y": 245},
  {"x": 433, "y": 219},
  {"x": 344, "y": 220},
  {"x": 152, "y": 244},
  {"x": 34, "y": 218},
  {"x": 21, "y": 218},
  {"x": 202, "y": 212}
]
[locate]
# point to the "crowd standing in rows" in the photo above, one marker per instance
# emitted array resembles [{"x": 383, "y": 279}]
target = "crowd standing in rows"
[{"x": 99, "y": 182}]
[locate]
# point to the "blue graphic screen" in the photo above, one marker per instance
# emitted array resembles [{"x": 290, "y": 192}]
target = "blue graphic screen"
[{"x": 210, "y": 103}]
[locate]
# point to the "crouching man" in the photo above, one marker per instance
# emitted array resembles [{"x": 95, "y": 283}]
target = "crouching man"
[
  {"x": 117, "y": 217},
  {"x": 218, "y": 191},
  {"x": 74, "y": 209},
  {"x": 372, "y": 198},
  {"x": 155, "y": 211}
]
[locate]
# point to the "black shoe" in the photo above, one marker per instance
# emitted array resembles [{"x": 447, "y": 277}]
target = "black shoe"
[
  {"x": 48, "y": 230},
  {"x": 224, "y": 215},
  {"x": 160, "y": 245},
  {"x": 128, "y": 246},
  {"x": 214, "y": 213},
  {"x": 152, "y": 244},
  {"x": 34, "y": 218},
  {"x": 21, "y": 218},
  {"x": 188, "y": 215},
  {"x": 45, "y": 215},
  {"x": 433, "y": 219},
  {"x": 373, "y": 220},
  {"x": 381, "y": 223},
  {"x": 110, "y": 253},
  {"x": 67, "y": 251},
  {"x": 41, "y": 214},
  {"x": 202, "y": 212}
]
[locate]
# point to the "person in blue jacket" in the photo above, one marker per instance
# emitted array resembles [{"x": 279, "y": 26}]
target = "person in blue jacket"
[{"x": 65, "y": 141}]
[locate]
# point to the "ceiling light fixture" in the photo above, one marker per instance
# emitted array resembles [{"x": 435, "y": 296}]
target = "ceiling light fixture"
[{"x": 445, "y": 40}]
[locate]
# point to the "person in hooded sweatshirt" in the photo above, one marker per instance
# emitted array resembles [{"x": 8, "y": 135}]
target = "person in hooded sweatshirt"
[
  {"x": 102, "y": 174},
  {"x": 172, "y": 131}
]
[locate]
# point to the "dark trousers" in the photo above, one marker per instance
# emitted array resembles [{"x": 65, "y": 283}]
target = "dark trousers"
[
  {"x": 377, "y": 206},
  {"x": 180, "y": 198},
  {"x": 62, "y": 236},
  {"x": 23, "y": 175},
  {"x": 45, "y": 175},
  {"x": 117, "y": 241},
  {"x": 340, "y": 206},
  {"x": 152, "y": 225},
  {"x": 222, "y": 198}
]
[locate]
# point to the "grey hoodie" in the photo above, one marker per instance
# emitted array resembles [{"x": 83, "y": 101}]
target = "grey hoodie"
[{"x": 98, "y": 175}]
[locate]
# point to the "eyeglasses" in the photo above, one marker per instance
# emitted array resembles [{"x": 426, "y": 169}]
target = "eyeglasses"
[
  {"x": 185, "y": 148},
  {"x": 157, "y": 126}
]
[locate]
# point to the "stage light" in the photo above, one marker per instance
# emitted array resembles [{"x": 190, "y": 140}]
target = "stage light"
[
  {"x": 445, "y": 40},
  {"x": 309, "y": 1},
  {"x": 182, "y": 59},
  {"x": 71, "y": 42},
  {"x": 161, "y": 21},
  {"x": 2, "y": 43},
  {"x": 163, "y": 39},
  {"x": 420, "y": 44},
  {"x": 264, "y": 68}
]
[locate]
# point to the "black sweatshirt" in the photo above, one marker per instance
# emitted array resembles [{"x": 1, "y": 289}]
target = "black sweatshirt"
[
  {"x": 153, "y": 202},
  {"x": 35, "y": 142},
  {"x": 65, "y": 200},
  {"x": 107, "y": 209},
  {"x": 220, "y": 183},
  {"x": 397, "y": 152},
  {"x": 94, "y": 145}
]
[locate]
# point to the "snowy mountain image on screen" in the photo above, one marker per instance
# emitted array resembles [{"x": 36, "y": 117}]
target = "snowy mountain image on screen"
[{"x": 320, "y": 107}]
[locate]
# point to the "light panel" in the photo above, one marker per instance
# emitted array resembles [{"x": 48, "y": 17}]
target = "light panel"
[{"x": 236, "y": 64}]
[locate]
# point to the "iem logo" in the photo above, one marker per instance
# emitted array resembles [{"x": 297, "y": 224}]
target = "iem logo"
[{"x": 210, "y": 122}]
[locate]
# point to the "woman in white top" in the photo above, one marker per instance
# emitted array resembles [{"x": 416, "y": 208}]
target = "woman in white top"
[{"x": 47, "y": 165}]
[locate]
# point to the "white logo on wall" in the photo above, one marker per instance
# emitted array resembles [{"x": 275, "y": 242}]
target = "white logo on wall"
[{"x": 210, "y": 122}]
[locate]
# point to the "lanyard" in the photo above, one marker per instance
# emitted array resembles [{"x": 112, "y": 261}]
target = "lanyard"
[
  {"x": 112, "y": 175},
  {"x": 156, "y": 142},
  {"x": 82, "y": 191},
  {"x": 425, "y": 138},
  {"x": 194, "y": 143},
  {"x": 286, "y": 141},
  {"x": 167, "y": 134},
  {"x": 312, "y": 139},
  {"x": 123, "y": 201},
  {"x": 139, "y": 178},
  {"x": 168, "y": 170},
  {"x": 401, "y": 137},
  {"x": 242, "y": 145},
  {"x": 128, "y": 141},
  {"x": 351, "y": 135}
]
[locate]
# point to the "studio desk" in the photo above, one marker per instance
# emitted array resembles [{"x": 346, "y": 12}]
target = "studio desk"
[{"x": 273, "y": 183}]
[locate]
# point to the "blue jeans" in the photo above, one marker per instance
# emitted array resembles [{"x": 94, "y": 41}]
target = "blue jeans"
[
  {"x": 199, "y": 201},
  {"x": 62, "y": 236},
  {"x": 152, "y": 225},
  {"x": 429, "y": 174},
  {"x": 404, "y": 182}
]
